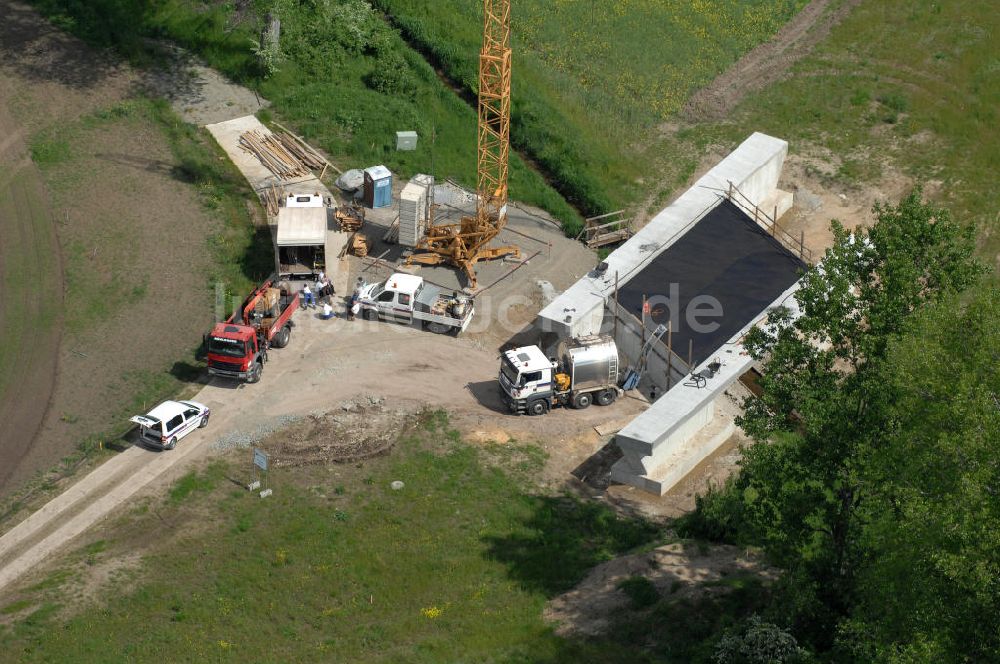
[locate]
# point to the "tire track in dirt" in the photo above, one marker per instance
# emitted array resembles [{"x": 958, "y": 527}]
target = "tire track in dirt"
[
  {"x": 31, "y": 306},
  {"x": 768, "y": 62}
]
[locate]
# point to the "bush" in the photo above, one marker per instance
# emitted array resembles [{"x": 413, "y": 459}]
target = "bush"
[
  {"x": 391, "y": 76},
  {"x": 720, "y": 515},
  {"x": 758, "y": 642},
  {"x": 641, "y": 591}
]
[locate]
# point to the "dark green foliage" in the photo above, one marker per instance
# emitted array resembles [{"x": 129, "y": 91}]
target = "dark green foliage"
[
  {"x": 931, "y": 592},
  {"x": 758, "y": 642},
  {"x": 640, "y": 590},
  {"x": 391, "y": 76},
  {"x": 831, "y": 422}
]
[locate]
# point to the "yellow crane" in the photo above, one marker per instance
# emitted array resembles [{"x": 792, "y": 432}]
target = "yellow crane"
[{"x": 465, "y": 243}]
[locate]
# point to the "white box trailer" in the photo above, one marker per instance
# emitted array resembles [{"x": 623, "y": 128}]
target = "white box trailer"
[{"x": 300, "y": 241}]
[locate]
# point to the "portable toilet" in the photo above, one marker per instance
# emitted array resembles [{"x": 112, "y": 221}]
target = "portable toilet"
[{"x": 378, "y": 187}]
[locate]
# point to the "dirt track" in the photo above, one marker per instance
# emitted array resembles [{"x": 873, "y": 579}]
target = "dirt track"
[
  {"x": 327, "y": 363},
  {"x": 768, "y": 62}
]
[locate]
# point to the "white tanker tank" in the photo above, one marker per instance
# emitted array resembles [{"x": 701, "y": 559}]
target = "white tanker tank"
[{"x": 586, "y": 371}]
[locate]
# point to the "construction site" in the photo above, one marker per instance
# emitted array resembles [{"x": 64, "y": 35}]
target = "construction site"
[
  {"x": 549, "y": 325},
  {"x": 393, "y": 299}
]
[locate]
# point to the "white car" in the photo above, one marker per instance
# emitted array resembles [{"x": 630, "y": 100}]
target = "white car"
[{"x": 170, "y": 421}]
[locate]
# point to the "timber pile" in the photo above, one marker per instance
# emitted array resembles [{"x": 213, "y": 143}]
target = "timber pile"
[
  {"x": 351, "y": 218},
  {"x": 272, "y": 199},
  {"x": 271, "y": 152},
  {"x": 359, "y": 245},
  {"x": 303, "y": 151}
]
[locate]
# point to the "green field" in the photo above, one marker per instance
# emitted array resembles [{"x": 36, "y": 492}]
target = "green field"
[
  {"x": 592, "y": 81},
  {"x": 898, "y": 85},
  {"x": 344, "y": 79},
  {"x": 337, "y": 566}
]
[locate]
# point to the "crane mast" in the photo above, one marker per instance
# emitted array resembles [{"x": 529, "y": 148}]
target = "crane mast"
[
  {"x": 494, "y": 114},
  {"x": 466, "y": 243}
]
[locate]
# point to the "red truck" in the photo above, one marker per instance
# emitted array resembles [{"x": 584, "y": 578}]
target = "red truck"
[{"x": 237, "y": 348}]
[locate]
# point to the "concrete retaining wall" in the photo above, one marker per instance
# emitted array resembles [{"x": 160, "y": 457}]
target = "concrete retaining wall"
[
  {"x": 754, "y": 168},
  {"x": 679, "y": 430}
]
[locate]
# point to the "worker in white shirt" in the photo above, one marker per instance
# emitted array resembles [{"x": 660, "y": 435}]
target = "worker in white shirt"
[
  {"x": 327, "y": 311},
  {"x": 307, "y": 297}
]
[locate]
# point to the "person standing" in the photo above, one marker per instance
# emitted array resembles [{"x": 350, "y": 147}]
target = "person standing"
[{"x": 307, "y": 297}]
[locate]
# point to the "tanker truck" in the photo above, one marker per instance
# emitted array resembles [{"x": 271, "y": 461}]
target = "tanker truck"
[{"x": 585, "y": 371}]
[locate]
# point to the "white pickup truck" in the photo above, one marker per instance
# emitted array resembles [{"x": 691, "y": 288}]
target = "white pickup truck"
[{"x": 405, "y": 298}]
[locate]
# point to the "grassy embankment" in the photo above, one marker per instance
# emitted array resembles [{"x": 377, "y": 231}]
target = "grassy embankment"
[
  {"x": 898, "y": 85},
  {"x": 337, "y": 566},
  {"x": 593, "y": 84},
  {"x": 100, "y": 270},
  {"x": 345, "y": 80}
]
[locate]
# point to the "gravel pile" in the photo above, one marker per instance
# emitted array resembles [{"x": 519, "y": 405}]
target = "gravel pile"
[{"x": 245, "y": 439}]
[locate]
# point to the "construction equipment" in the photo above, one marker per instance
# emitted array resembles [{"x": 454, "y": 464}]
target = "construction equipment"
[
  {"x": 587, "y": 371},
  {"x": 465, "y": 243},
  {"x": 237, "y": 348},
  {"x": 634, "y": 374},
  {"x": 405, "y": 298},
  {"x": 300, "y": 241}
]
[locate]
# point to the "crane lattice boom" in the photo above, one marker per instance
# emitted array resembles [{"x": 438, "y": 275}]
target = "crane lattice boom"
[{"x": 466, "y": 243}]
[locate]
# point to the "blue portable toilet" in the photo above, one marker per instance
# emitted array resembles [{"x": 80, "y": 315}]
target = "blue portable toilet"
[{"x": 378, "y": 187}]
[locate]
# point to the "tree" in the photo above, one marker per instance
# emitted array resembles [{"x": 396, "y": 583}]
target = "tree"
[
  {"x": 758, "y": 642},
  {"x": 930, "y": 590},
  {"x": 825, "y": 398}
]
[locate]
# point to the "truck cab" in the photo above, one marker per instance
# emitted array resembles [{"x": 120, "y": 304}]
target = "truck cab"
[
  {"x": 526, "y": 380},
  {"x": 235, "y": 351},
  {"x": 393, "y": 298},
  {"x": 237, "y": 348}
]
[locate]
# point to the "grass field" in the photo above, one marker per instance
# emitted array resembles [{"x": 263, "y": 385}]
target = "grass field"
[
  {"x": 345, "y": 80},
  {"x": 111, "y": 201},
  {"x": 592, "y": 83},
  {"x": 909, "y": 86},
  {"x": 336, "y": 566}
]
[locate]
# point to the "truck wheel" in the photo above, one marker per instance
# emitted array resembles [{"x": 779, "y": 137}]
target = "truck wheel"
[
  {"x": 255, "y": 373},
  {"x": 606, "y": 397},
  {"x": 281, "y": 338},
  {"x": 371, "y": 314},
  {"x": 581, "y": 401},
  {"x": 438, "y": 328},
  {"x": 537, "y": 408},
  {"x": 172, "y": 444}
]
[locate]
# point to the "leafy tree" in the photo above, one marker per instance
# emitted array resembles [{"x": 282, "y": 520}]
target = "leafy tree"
[
  {"x": 826, "y": 399},
  {"x": 930, "y": 589},
  {"x": 758, "y": 642}
]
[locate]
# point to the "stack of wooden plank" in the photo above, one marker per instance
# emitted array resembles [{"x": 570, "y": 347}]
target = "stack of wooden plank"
[
  {"x": 359, "y": 245},
  {"x": 272, "y": 199},
  {"x": 271, "y": 152},
  {"x": 351, "y": 218},
  {"x": 304, "y": 152}
]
